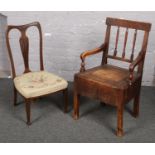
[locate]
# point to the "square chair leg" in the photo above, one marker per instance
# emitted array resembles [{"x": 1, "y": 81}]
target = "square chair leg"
[
  {"x": 28, "y": 111},
  {"x": 15, "y": 96},
  {"x": 65, "y": 96},
  {"x": 136, "y": 105},
  {"x": 120, "y": 110},
  {"x": 76, "y": 106}
]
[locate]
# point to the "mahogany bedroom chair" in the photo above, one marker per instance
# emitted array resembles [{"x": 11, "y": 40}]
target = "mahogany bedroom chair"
[
  {"x": 111, "y": 84},
  {"x": 30, "y": 84}
]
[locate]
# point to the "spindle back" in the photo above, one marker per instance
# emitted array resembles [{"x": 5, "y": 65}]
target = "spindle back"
[{"x": 127, "y": 24}]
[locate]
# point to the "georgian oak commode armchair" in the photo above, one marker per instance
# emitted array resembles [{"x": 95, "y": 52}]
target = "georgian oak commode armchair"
[
  {"x": 111, "y": 84},
  {"x": 30, "y": 84}
]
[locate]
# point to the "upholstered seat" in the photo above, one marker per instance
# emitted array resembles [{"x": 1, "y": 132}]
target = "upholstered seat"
[
  {"x": 39, "y": 83},
  {"x": 33, "y": 84}
]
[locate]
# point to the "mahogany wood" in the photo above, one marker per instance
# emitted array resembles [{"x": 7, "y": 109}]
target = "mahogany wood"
[
  {"x": 111, "y": 84},
  {"x": 24, "y": 45}
]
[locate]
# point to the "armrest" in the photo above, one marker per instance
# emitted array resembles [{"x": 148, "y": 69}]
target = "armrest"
[
  {"x": 88, "y": 53},
  {"x": 136, "y": 62},
  {"x": 92, "y": 52}
]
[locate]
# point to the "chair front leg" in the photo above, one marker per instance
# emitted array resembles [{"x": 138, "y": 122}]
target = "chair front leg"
[
  {"x": 76, "y": 106},
  {"x": 120, "y": 110},
  {"x": 65, "y": 95},
  {"x": 15, "y": 96},
  {"x": 28, "y": 110}
]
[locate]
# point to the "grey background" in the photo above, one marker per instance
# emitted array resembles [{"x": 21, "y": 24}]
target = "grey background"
[{"x": 67, "y": 34}]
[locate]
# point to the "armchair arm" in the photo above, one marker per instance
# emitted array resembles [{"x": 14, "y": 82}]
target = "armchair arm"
[
  {"x": 136, "y": 62},
  {"x": 88, "y": 53}
]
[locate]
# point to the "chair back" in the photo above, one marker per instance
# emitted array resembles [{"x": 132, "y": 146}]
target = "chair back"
[
  {"x": 24, "y": 45},
  {"x": 127, "y": 24}
]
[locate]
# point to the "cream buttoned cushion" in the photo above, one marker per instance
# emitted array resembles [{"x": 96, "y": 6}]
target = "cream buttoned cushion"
[{"x": 40, "y": 83}]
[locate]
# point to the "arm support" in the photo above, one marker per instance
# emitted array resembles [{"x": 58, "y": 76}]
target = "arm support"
[
  {"x": 88, "y": 53},
  {"x": 136, "y": 62}
]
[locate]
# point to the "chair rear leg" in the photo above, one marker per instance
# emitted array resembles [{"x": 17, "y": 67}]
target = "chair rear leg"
[
  {"x": 15, "y": 97},
  {"x": 65, "y": 96},
  {"x": 102, "y": 103},
  {"x": 28, "y": 111},
  {"x": 120, "y": 110},
  {"x": 136, "y": 105},
  {"x": 76, "y": 106}
]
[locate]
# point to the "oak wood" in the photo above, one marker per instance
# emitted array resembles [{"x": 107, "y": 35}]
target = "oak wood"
[
  {"x": 106, "y": 42},
  {"x": 111, "y": 84},
  {"x": 125, "y": 41},
  {"x": 88, "y": 53},
  {"x": 116, "y": 42},
  {"x": 120, "y": 121},
  {"x": 128, "y": 24},
  {"x": 24, "y": 45},
  {"x": 76, "y": 103},
  {"x": 133, "y": 46},
  {"x": 119, "y": 58}
]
